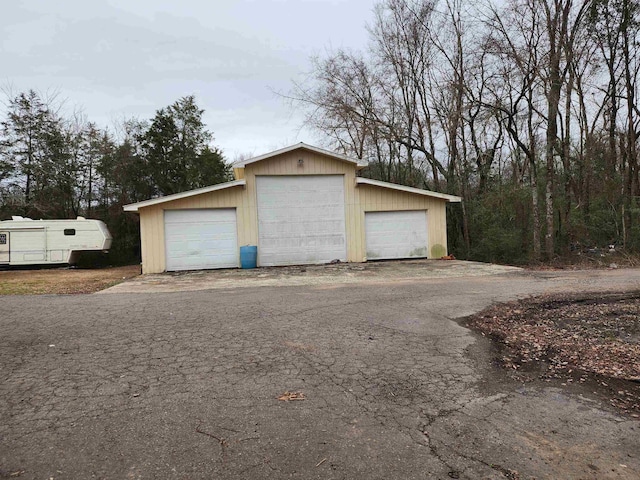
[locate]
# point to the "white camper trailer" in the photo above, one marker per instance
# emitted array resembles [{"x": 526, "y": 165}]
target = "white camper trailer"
[{"x": 24, "y": 241}]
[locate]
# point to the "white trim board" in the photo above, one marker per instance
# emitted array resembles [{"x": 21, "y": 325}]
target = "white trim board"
[
  {"x": 402, "y": 188},
  {"x": 133, "y": 207}
]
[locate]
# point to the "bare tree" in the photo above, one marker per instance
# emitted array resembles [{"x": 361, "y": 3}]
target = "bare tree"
[{"x": 522, "y": 97}]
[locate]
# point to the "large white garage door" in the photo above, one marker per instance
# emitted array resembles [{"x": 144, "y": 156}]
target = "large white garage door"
[
  {"x": 396, "y": 234},
  {"x": 198, "y": 239},
  {"x": 301, "y": 219}
]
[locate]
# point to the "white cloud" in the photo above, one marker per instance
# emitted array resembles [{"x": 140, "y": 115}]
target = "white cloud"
[{"x": 128, "y": 58}]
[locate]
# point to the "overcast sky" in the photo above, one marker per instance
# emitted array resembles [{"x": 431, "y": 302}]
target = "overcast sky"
[{"x": 123, "y": 58}]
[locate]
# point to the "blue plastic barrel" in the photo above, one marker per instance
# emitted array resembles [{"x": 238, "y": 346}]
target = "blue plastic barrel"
[{"x": 249, "y": 256}]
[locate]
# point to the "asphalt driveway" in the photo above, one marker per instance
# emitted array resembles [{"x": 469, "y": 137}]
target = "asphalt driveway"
[{"x": 186, "y": 385}]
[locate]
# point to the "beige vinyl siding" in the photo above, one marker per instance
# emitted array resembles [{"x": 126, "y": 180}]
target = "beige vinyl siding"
[{"x": 358, "y": 200}]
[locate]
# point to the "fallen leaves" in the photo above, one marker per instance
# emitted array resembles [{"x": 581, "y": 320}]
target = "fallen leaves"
[
  {"x": 598, "y": 334},
  {"x": 290, "y": 396}
]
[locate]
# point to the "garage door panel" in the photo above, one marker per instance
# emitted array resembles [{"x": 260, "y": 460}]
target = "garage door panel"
[
  {"x": 398, "y": 234},
  {"x": 200, "y": 239},
  {"x": 301, "y": 219}
]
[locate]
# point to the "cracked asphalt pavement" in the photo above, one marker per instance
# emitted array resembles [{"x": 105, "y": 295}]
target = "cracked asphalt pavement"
[{"x": 184, "y": 385}]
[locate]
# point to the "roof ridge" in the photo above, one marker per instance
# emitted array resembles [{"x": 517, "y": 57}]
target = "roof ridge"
[{"x": 290, "y": 148}]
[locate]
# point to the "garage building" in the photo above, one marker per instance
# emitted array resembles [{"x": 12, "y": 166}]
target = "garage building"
[{"x": 299, "y": 205}]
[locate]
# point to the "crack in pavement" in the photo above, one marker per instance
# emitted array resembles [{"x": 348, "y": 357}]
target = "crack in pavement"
[{"x": 131, "y": 375}]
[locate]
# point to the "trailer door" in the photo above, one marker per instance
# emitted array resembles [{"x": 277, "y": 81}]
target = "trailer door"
[
  {"x": 29, "y": 247},
  {"x": 4, "y": 247}
]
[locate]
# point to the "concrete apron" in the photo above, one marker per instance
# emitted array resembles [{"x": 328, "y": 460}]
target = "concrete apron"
[{"x": 327, "y": 275}]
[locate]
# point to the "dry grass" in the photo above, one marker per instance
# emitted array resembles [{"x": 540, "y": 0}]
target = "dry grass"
[{"x": 63, "y": 280}]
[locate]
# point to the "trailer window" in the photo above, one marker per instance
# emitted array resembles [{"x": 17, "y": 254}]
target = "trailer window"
[{"x": 69, "y": 231}]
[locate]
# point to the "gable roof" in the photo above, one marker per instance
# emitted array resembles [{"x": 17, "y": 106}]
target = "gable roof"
[
  {"x": 310, "y": 148},
  {"x": 133, "y": 207},
  {"x": 402, "y": 188}
]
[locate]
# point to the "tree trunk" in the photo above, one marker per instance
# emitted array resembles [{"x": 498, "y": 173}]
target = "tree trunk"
[{"x": 553, "y": 101}]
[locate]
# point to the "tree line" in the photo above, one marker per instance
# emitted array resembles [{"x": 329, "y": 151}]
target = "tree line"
[
  {"x": 525, "y": 108},
  {"x": 60, "y": 166}
]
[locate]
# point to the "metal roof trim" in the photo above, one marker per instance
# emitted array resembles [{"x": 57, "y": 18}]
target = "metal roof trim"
[
  {"x": 403, "y": 188},
  {"x": 291, "y": 148},
  {"x": 134, "y": 207}
]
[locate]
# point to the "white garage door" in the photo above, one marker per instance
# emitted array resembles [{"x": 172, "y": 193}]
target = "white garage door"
[
  {"x": 301, "y": 219},
  {"x": 198, "y": 239},
  {"x": 396, "y": 234}
]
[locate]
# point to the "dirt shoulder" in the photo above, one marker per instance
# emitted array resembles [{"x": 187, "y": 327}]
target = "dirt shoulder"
[
  {"x": 593, "y": 339},
  {"x": 63, "y": 280}
]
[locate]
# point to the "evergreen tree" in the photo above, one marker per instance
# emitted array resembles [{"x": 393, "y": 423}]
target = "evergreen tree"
[{"x": 176, "y": 148}]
